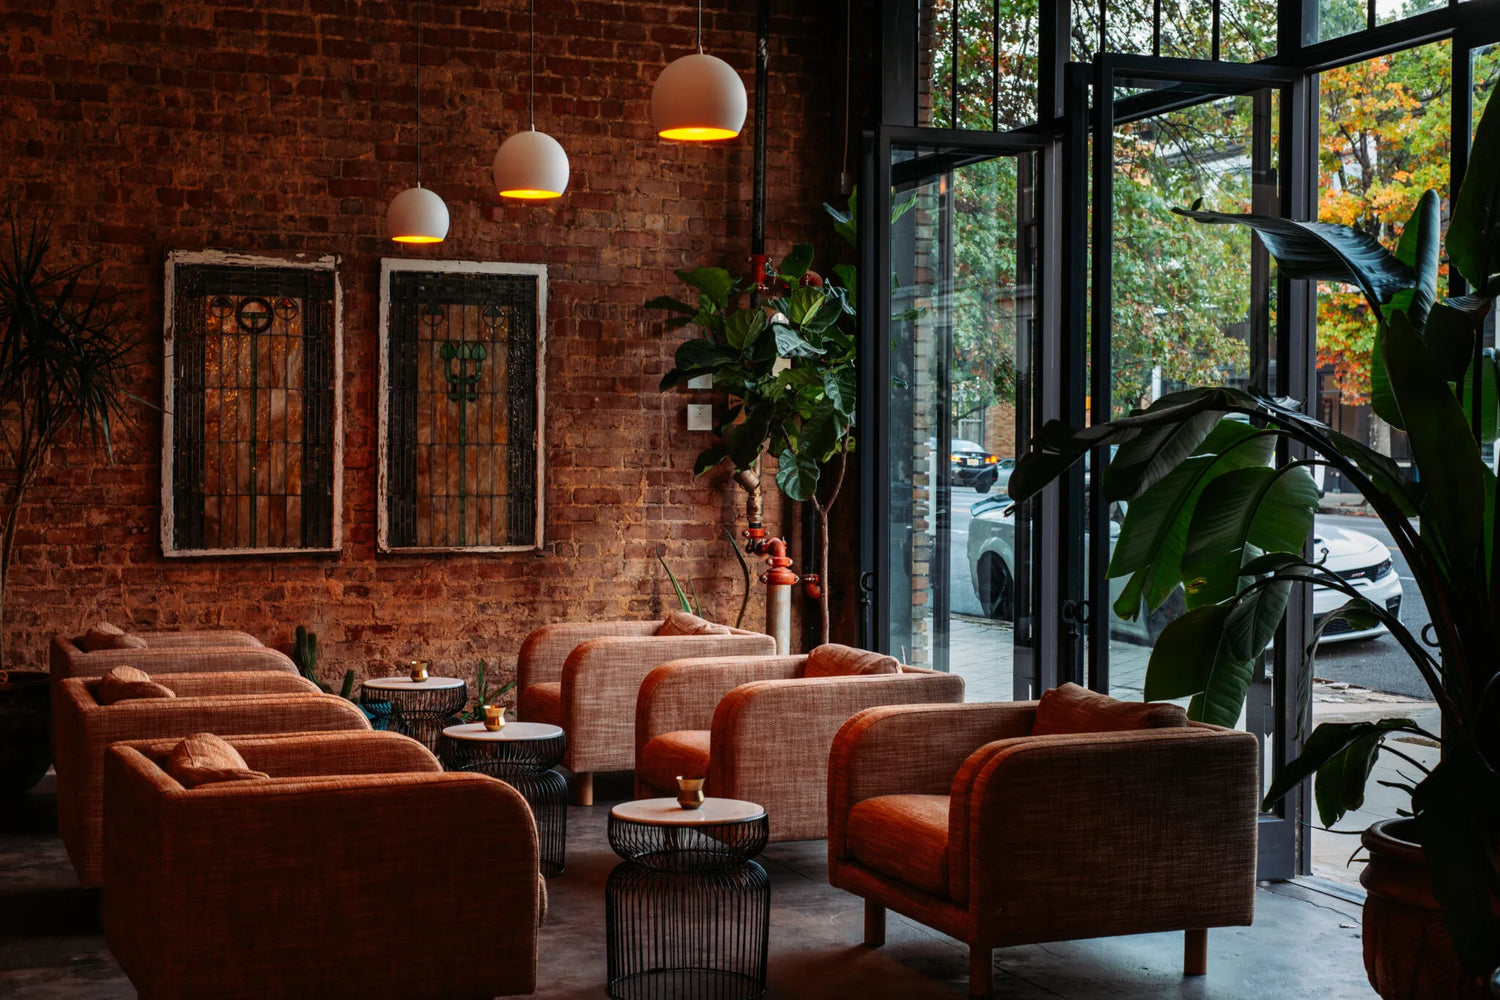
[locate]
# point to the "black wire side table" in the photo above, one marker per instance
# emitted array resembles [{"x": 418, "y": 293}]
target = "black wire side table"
[
  {"x": 522, "y": 755},
  {"x": 419, "y": 709},
  {"x": 688, "y": 912}
]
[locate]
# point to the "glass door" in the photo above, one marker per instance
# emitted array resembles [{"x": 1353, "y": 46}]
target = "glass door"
[
  {"x": 1174, "y": 304},
  {"x": 957, "y": 242}
]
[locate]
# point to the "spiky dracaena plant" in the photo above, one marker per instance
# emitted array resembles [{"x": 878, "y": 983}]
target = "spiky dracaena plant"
[{"x": 65, "y": 349}]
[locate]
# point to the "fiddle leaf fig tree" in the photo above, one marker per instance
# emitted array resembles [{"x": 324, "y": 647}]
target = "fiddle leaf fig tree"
[
  {"x": 787, "y": 364},
  {"x": 64, "y": 347},
  {"x": 1208, "y": 513}
]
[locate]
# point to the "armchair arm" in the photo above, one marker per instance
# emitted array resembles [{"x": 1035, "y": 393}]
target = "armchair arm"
[
  {"x": 771, "y": 739},
  {"x": 683, "y": 694},
  {"x": 315, "y": 754},
  {"x": 544, "y": 650},
  {"x": 1147, "y": 830},
  {"x": 910, "y": 750},
  {"x": 261, "y": 863},
  {"x": 228, "y": 715},
  {"x": 602, "y": 679},
  {"x": 236, "y": 682}
]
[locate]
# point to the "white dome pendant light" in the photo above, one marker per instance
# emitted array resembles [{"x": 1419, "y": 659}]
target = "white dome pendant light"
[
  {"x": 698, "y": 98},
  {"x": 531, "y": 166},
  {"x": 417, "y": 215}
]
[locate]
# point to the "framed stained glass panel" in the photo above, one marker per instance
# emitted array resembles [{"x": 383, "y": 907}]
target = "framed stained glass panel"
[
  {"x": 253, "y": 415},
  {"x": 461, "y": 390}
]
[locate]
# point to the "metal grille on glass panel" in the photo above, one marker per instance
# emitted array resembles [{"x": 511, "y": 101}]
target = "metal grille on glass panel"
[
  {"x": 252, "y": 449},
  {"x": 462, "y": 410}
]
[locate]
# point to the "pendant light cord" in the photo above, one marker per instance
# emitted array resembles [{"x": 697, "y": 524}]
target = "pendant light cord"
[
  {"x": 419, "y": 93},
  {"x": 700, "y": 27},
  {"x": 531, "y": 97}
]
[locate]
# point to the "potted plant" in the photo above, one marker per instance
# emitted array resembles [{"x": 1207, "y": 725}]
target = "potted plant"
[
  {"x": 64, "y": 362},
  {"x": 1209, "y": 513},
  {"x": 787, "y": 361}
]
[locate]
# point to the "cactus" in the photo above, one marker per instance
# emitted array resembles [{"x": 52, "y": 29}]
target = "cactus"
[{"x": 305, "y": 652}]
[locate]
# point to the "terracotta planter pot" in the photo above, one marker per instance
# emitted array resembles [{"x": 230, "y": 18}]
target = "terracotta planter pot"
[
  {"x": 25, "y": 730},
  {"x": 1408, "y": 954}
]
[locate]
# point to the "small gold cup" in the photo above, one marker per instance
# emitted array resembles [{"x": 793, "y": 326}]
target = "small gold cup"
[
  {"x": 494, "y": 718},
  {"x": 690, "y": 792},
  {"x": 418, "y": 671}
]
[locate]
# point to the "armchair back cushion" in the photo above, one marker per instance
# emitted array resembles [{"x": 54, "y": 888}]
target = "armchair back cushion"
[
  {"x": 833, "y": 660},
  {"x": 124, "y": 683},
  {"x": 1072, "y": 709},
  {"x": 682, "y": 623},
  {"x": 203, "y": 758}
]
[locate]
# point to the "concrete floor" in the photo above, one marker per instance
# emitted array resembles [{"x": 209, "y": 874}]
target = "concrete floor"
[{"x": 1303, "y": 944}]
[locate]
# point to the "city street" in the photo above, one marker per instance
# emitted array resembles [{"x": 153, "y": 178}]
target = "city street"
[{"x": 1376, "y": 663}]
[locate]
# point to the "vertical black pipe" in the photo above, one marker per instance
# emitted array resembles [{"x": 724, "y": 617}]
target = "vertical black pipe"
[{"x": 762, "y": 72}]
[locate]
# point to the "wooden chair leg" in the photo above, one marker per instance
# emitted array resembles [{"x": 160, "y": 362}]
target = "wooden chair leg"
[
  {"x": 1195, "y": 953},
  {"x": 874, "y": 924},
  {"x": 981, "y": 971},
  {"x": 583, "y": 788}
]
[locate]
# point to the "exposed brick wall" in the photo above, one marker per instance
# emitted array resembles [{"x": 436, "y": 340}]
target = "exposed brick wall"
[{"x": 287, "y": 126}]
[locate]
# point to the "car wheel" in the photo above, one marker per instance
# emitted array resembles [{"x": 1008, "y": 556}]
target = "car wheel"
[
  {"x": 1172, "y": 608},
  {"x": 996, "y": 589}
]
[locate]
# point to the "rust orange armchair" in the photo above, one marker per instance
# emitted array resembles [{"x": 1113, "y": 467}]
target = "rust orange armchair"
[
  {"x": 760, "y": 727},
  {"x": 348, "y": 872},
  {"x": 224, "y": 703},
  {"x": 964, "y": 819},
  {"x": 584, "y": 677}
]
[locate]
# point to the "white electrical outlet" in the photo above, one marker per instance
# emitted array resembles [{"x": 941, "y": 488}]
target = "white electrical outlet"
[
  {"x": 700, "y": 417},
  {"x": 701, "y": 382}
]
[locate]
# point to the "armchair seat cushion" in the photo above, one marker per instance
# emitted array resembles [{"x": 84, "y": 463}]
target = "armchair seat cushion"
[
  {"x": 683, "y": 752},
  {"x": 542, "y": 703},
  {"x": 904, "y": 837}
]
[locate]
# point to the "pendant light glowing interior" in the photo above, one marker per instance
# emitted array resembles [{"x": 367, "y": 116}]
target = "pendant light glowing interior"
[
  {"x": 417, "y": 215},
  {"x": 531, "y": 166},
  {"x": 698, "y": 98}
]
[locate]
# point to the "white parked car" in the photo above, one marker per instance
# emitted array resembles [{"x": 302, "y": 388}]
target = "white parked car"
[{"x": 1364, "y": 562}]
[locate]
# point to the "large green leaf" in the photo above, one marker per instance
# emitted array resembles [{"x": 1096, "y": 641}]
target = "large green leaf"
[
  {"x": 1474, "y": 229},
  {"x": 797, "y": 476},
  {"x": 1328, "y": 742},
  {"x": 747, "y": 439},
  {"x": 671, "y": 305},
  {"x": 1324, "y": 251},
  {"x": 839, "y": 387},
  {"x": 1154, "y": 534},
  {"x": 708, "y": 458},
  {"x": 826, "y": 315},
  {"x": 1452, "y": 473},
  {"x": 846, "y": 221},
  {"x": 1452, "y": 326},
  {"x": 795, "y": 264},
  {"x": 697, "y": 356},
  {"x": 821, "y": 433},
  {"x": 789, "y": 344},
  {"x": 1420, "y": 249},
  {"x": 742, "y": 327},
  {"x": 1382, "y": 396},
  {"x": 1240, "y": 514},
  {"x": 714, "y": 282},
  {"x": 803, "y": 304},
  {"x": 1209, "y": 653},
  {"x": 1487, "y": 388},
  {"x": 1142, "y": 462},
  {"x": 848, "y": 274}
]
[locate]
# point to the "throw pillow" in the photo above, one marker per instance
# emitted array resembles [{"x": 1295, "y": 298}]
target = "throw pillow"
[
  {"x": 103, "y": 635},
  {"x": 126, "y": 684},
  {"x": 682, "y": 623},
  {"x": 1074, "y": 709},
  {"x": 833, "y": 660},
  {"x": 204, "y": 758}
]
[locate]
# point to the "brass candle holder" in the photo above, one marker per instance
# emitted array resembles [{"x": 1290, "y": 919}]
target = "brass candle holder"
[
  {"x": 418, "y": 671},
  {"x": 690, "y": 792},
  {"x": 494, "y": 718}
]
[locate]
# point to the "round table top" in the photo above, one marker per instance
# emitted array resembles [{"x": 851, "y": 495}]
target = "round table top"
[
  {"x": 407, "y": 684},
  {"x": 513, "y": 731},
  {"x": 666, "y": 812}
]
